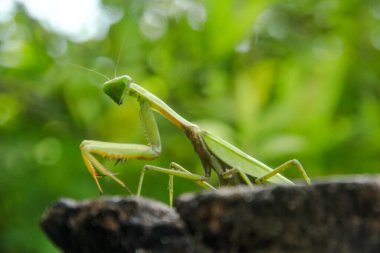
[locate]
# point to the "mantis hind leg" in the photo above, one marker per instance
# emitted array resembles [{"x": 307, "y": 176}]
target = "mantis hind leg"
[
  {"x": 174, "y": 170},
  {"x": 119, "y": 151},
  {"x": 289, "y": 164}
]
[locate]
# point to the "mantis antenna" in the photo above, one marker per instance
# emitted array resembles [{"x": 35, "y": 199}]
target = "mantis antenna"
[
  {"x": 119, "y": 55},
  {"x": 90, "y": 70}
]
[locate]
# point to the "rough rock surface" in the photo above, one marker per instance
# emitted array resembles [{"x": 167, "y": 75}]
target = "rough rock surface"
[
  {"x": 115, "y": 225},
  {"x": 336, "y": 216},
  {"x": 326, "y": 217}
]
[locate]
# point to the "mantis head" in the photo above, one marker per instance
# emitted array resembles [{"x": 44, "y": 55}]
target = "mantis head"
[{"x": 117, "y": 87}]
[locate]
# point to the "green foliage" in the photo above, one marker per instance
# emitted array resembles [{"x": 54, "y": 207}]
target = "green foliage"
[{"x": 280, "y": 79}]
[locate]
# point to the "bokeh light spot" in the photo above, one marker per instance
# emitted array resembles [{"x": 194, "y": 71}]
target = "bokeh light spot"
[{"x": 48, "y": 151}]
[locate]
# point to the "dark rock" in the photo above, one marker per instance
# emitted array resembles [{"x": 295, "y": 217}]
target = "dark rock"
[
  {"x": 326, "y": 217},
  {"x": 115, "y": 225},
  {"x": 337, "y": 216}
]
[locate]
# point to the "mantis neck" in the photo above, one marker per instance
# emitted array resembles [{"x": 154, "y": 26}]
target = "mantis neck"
[{"x": 160, "y": 106}]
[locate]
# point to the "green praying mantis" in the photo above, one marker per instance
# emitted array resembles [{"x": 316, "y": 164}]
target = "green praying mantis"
[{"x": 232, "y": 165}]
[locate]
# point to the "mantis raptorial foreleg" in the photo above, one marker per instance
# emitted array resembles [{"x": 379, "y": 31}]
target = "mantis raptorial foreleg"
[{"x": 119, "y": 151}]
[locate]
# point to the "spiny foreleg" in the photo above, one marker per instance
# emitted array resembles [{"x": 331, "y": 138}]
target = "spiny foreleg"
[{"x": 122, "y": 151}]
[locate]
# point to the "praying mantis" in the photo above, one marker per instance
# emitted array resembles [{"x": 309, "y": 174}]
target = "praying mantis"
[{"x": 232, "y": 165}]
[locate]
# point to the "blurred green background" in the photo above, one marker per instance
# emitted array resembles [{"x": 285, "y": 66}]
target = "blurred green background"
[{"x": 279, "y": 79}]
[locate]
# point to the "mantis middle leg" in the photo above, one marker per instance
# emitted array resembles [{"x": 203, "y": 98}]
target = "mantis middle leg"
[{"x": 174, "y": 170}]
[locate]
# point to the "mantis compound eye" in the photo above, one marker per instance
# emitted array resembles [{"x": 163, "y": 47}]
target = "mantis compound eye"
[{"x": 116, "y": 88}]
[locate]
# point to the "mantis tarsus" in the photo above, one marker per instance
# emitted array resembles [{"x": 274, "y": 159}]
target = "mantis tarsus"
[{"x": 230, "y": 163}]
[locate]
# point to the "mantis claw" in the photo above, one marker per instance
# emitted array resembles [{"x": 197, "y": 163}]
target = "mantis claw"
[{"x": 117, "y": 161}]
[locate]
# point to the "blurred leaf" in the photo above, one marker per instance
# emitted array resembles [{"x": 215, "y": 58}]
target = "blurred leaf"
[{"x": 278, "y": 79}]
